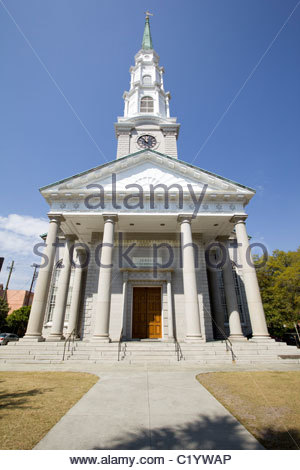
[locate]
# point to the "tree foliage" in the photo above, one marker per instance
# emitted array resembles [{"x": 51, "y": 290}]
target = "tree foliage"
[
  {"x": 18, "y": 319},
  {"x": 4, "y": 308},
  {"x": 279, "y": 281}
]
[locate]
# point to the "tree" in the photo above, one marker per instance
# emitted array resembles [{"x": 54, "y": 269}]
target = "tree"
[
  {"x": 4, "y": 308},
  {"x": 279, "y": 281},
  {"x": 18, "y": 319}
]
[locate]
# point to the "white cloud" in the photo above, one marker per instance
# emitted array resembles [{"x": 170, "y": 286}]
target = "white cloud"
[
  {"x": 24, "y": 225},
  {"x": 18, "y": 235}
]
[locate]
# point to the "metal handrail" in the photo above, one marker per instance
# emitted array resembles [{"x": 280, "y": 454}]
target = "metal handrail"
[
  {"x": 229, "y": 347},
  {"x": 178, "y": 349},
  {"x": 226, "y": 339},
  {"x": 298, "y": 335},
  {"x": 68, "y": 339},
  {"x": 119, "y": 345}
]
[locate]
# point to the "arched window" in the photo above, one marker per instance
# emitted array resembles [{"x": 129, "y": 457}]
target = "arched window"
[
  {"x": 147, "y": 80},
  {"x": 147, "y": 105},
  {"x": 53, "y": 292}
]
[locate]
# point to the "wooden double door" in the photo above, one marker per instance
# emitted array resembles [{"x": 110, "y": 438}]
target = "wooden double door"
[{"x": 146, "y": 315}]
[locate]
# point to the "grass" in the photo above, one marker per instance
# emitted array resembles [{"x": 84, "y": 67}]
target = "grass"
[
  {"x": 32, "y": 402},
  {"x": 266, "y": 403}
]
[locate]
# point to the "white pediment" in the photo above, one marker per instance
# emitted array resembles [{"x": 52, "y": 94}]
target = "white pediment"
[{"x": 146, "y": 168}]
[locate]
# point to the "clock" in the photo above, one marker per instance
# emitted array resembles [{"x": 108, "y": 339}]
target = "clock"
[{"x": 146, "y": 141}]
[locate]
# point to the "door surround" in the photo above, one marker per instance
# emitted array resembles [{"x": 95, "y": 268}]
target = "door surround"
[
  {"x": 130, "y": 311},
  {"x": 146, "y": 292},
  {"x": 144, "y": 278}
]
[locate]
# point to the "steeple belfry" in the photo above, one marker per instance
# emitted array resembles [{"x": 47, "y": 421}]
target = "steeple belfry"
[{"x": 146, "y": 122}]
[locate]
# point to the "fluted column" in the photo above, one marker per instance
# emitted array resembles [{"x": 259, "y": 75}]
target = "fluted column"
[
  {"x": 76, "y": 291},
  {"x": 235, "y": 327},
  {"x": 192, "y": 318},
  {"x": 255, "y": 306},
  {"x": 170, "y": 308},
  {"x": 62, "y": 294},
  {"x": 37, "y": 314},
  {"x": 101, "y": 332},
  {"x": 217, "y": 307}
]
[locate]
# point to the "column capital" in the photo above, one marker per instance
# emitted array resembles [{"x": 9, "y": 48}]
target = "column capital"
[
  {"x": 184, "y": 218},
  {"x": 238, "y": 218},
  {"x": 110, "y": 218},
  {"x": 56, "y": 218}
]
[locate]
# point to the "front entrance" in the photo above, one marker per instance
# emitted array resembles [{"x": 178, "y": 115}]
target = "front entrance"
[{"x": 146, "y": 314}]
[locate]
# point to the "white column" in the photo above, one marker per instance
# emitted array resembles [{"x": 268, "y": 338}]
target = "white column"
[
  {"x": 217, "y": 307},
  {"x": 192, "y": 318},
  {"x": 101, "y": 332},
  {"x": 37, "y": 314},
  {"x": 170, "y": 308},
  {"x": 124, "y": 305},
  {"x": 255, "y": 306},
  {"x": 62, "y": 294},
  {"x": 76, "y": 291},
  {"x": 235, "y": 328}
]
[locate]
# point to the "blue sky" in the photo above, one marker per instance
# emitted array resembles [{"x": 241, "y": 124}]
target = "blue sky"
[{"x": 208, "y": 49}]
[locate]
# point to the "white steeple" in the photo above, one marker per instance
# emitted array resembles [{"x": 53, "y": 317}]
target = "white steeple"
[{"x": 146, "y": 122}]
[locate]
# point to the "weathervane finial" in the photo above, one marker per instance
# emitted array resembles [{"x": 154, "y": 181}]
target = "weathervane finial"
[{"x": 147, "y": 13}]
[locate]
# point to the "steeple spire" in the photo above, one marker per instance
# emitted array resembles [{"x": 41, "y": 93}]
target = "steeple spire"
[{"x": 147, "y": 39}]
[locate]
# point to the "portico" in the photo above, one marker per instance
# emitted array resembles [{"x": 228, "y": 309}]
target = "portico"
[{"x": 120, "y": 253}]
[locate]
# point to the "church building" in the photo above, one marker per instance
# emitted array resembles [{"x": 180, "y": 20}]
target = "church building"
[{"x": 147, "y": 247}]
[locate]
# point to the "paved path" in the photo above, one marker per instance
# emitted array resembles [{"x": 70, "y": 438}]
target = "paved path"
[{"x": 148, "y": 409}]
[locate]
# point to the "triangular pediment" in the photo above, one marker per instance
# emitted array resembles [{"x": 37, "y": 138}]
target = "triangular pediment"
[{"x": 146, "y": 168}]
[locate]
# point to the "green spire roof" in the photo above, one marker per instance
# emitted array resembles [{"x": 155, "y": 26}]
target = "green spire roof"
[{"x": 147, "y": 39}]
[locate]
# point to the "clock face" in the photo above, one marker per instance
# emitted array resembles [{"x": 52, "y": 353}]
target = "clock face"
[{"x": 146, "y": 141}]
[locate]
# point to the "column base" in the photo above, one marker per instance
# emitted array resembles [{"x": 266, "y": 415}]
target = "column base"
[
  {"x": 193, "y": 339},
  {"x": 100, "y": 339},
  {"x": 55, "y": 338},
  {"x": 37, "y": 338},
  {"x": 262, "y": 339},
  {"x": 236, "y": 338}
]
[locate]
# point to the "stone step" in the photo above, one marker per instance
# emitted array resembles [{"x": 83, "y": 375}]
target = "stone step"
[
  {"x": 211, "y": 359},
  {"x": 144, "y": 354},
  {"x": 97, "y": 348},
  {"x": 149, "y": 360},
  {"x": 150, "y": 350}
]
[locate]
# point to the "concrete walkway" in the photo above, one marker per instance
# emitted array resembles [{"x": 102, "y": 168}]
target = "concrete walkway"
[{"x": 142, "y": 408}]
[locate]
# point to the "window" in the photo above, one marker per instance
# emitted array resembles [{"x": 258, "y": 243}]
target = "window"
[
  {"x": 147, "y": 105},
  {"x": 147, "y": 80},
  {"x": 53, "y": 292}
]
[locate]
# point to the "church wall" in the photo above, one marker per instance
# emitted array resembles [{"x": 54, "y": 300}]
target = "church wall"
[
  {"x": 91, "y": 290},
  {"x": 171, "y": 146},
  {"x": 59, "y": 253},
  {"x": 123, "y": 145},
  {"x": 203, "y": 292}
]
